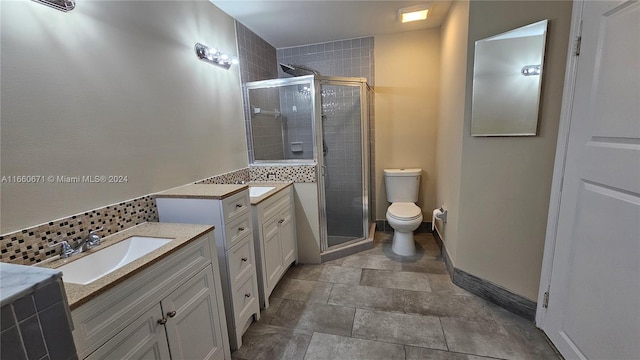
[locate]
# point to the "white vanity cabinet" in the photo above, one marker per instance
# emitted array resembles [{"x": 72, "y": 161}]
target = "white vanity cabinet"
[
  {"x": 229, "y": 211},
  {"x": 170, "y": 310},
  {"x": 275, "y": 241}
]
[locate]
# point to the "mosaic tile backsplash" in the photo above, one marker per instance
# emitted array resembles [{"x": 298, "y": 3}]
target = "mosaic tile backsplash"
[
  {"x": 295, "y": 173},
  {"x": 31, "y": 245}
]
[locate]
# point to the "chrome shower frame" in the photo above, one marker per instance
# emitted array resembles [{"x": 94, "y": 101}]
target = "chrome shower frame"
[
  {"x": 316, "y": 83},
  {"x": 364, "y": 134}
]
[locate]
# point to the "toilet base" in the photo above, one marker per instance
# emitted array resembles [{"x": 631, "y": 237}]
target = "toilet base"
[{"x": 403, "y": 243}]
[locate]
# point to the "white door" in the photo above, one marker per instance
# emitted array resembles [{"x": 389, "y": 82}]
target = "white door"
[
  {"x": 594, "y": 294},
  {"x": 287, "y": 236}
]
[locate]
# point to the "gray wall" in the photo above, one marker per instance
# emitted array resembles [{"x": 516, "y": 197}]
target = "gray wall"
[
  {"x": 113, "y": 88},
  {"x": 505, "y": 182}
]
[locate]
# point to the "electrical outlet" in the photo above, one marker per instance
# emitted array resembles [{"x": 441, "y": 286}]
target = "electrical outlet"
[{"x": 271, "y": 176}]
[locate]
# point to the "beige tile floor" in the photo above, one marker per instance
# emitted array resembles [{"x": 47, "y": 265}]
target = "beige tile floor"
[{"x": 377, "y": 305}]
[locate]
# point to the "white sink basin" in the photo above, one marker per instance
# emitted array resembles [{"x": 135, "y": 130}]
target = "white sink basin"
[
  {"x": 92, "y": 267},
  {"x": 256, "y": 191}
]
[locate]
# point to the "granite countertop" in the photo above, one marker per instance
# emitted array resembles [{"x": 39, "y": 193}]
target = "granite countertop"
[
  {"x": 181, "y": 233},
  {"x": 278, "y": 186},
  {"x": 17, "y": 281},
  {"x": 203, "y": 191}
]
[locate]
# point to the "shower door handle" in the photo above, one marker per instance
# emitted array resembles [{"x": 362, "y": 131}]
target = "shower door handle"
[{"x": 324, "y": 170}]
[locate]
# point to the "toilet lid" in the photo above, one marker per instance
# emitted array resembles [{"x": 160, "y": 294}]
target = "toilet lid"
[{"x": 404, "y": 211}]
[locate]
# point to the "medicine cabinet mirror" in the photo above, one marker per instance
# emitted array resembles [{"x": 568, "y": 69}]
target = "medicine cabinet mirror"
[{"x": 507, "y": 78}]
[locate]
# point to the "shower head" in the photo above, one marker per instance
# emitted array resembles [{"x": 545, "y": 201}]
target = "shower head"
[{"x": 297, "y": 70}]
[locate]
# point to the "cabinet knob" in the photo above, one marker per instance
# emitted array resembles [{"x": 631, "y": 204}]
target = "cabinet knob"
[
  {"x": 248, "y": 295},
  {"x": 281, "y": 221},
  {"x": 244, "y": 259},
  {"x": 240, "y": 229},
  {"x": 162, "y": 321},
  {"x": 171, "y": 314}
]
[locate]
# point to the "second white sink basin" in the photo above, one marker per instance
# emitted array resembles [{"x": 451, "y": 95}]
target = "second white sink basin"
[
  {"x": 100, "y": 263},
  {"x": 256, "y": 191}
]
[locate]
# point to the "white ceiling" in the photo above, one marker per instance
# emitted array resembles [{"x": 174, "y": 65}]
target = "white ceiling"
[{"x": 302, "y": 22}]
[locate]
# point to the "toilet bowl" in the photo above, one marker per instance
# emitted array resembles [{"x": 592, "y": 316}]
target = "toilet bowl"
[{"x": 404, "y": 218}]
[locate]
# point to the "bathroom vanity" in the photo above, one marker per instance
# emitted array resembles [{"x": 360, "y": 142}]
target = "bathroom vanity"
[
  {"x": 227, "y": 207},
  {"x": 165, "y": 304},
  {"x": 274, "y": 236}
]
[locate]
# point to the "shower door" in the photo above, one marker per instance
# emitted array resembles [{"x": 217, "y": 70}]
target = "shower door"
[{"x": 342, "y": 120}]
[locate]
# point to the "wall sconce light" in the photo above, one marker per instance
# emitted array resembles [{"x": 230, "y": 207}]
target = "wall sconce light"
[
  {"x": 413, "y": 13},
  {"x": 62, "y": 5},
  {"x": 530, "y": 70},
  {"x": 215, "y": 56}
]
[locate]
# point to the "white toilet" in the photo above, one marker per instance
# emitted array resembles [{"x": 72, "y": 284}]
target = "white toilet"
[{"x": 403, "y": 215}]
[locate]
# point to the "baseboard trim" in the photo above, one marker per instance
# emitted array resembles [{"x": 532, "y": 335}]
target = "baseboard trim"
[
  {"x": 486, "y": 289},
  {"x": 496, "y": 294},
  {"x": 445, "y": 254}
]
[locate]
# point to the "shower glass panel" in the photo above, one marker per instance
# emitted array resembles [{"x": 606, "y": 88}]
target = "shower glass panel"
[
  {"x": 342, "y": 161},
  {"x": 281, "y": 124},
  {"x": 317, "y": 120}
]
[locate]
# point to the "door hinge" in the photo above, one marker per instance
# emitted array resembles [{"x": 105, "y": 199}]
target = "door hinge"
[
  {"x": 545, "y": 300},
  {"x": 577, "y": 45}
]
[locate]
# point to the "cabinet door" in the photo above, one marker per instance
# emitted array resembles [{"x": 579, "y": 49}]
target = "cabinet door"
[
  {"x": 272, "y": 251},
  {"x": 193, "y": 326},
  {"x": 144, "y": 338},
  {"x": 287, "y": 236}
]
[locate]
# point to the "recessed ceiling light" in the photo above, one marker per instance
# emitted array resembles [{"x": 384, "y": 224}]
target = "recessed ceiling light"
[{"x": 413, "y": 13}]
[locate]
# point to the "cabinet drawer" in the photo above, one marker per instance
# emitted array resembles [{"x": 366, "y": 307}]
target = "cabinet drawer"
[
  {"x": 237, "y": 230},
  {"x": 245, "y": 298},
  {"x": 284, "y": 198},
  {"x": 235, "y": 206},
  {"x": 241, "y": 261}
]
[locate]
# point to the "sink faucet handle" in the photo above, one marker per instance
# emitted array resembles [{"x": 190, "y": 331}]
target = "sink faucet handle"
[
  {"x": 67, "y": 249},
  {"x": 93, "y": 239}
]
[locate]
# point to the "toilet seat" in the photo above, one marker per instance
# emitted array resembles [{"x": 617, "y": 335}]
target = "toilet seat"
[{"x": 404, "y": 211}]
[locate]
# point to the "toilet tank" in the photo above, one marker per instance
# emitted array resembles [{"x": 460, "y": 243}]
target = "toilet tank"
[{"x": 402, "y": 185}]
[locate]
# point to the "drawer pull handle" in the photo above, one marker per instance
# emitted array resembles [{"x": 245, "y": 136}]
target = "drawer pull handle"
[
  {"x": 162, "y": 321},
  {"x": 281, "y": 221},
  {"x": 247, "y": 295},
  {"x": 171, "y": 314},
  {"x": 244, "y": 259},
  {"x": 239, "y": 205},
  {"x": 240, "y": 229}
]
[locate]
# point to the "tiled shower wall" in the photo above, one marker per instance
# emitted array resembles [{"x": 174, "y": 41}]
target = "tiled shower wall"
[
  {"x": 343, "y": 174},
  {"x": 297, "y": 112},
  {"x": 258, "y": 62},
  {"x": 349, "y": 58}
]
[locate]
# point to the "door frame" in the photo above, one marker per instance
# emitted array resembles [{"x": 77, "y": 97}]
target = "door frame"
[{"x": 564, "y": 128}]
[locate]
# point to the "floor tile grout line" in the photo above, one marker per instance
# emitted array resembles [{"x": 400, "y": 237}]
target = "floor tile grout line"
[{"x": 444, "y": 335}]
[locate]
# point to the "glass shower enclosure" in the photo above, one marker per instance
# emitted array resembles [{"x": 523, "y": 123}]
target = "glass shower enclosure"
[{"x": 323, "y": 121}]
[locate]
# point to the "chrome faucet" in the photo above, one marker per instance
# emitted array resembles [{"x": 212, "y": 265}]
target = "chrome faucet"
[
  {"x": 67, "y": 250},
  {"x": 89, "y": 242},
  {"x": 92, "y": 240}
]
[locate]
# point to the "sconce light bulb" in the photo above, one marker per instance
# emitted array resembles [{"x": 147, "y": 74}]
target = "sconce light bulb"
[
  {"x": 235, "y": 61},
  {"x": 224, "y": 57}
]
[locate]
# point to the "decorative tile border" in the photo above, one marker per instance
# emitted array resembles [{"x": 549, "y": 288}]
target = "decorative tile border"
[
  {"x": 31, "y": 245},
  {"x": 295, "y": 173},
  {"x": 227, "y": 178}
]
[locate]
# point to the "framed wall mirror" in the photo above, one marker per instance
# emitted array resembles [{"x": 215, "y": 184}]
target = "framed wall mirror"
[{"x": 507, "y": 78}]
